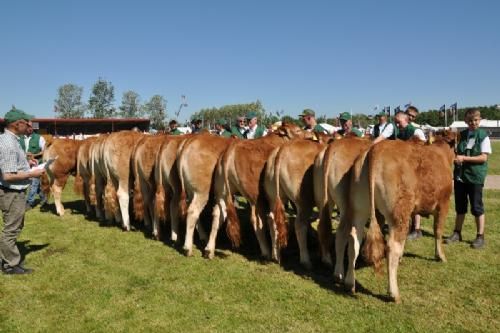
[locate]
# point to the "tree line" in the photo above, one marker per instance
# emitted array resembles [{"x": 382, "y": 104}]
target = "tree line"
[{"x": 69, "y": 104}]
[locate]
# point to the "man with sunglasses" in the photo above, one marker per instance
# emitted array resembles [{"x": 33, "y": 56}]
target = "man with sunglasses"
[
  {"x": 346, "y": 124},
  {"x": 308, "y": 117},
  {"x": 239, "y": 129},
  {"x": 15, "y": 174}
]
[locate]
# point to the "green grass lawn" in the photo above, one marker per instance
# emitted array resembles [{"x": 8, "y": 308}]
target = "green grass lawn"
[
  {"x": 494, "y": 158},
  {"x": 91, "y": 278}
]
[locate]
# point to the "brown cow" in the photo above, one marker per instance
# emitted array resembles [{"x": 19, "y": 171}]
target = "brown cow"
[
  {"x": 399, "y": 179},
  {"x": 196, "y": 162},
  {"x": 332, "y": 177},
  {"x": 98, "y": 175},
  {"x": 143, "y": 164},
  {"x": 241, "y": 171},
  {"x": 116, "y": 153},
  {"x": 168, "y": 185},
  {"x": 84, "y": 172},
  {"x": 64, "y": 152},
  {"x": 289, "y": 176}
]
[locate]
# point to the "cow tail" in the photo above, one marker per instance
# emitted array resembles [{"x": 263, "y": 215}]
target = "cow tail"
[
  {"x": 110, "y": 197},
  {"x": 92, "y": 194},
  {"x": 78, "y": 185},
  {"x": 374, "y": 248},
  {"x": 279, "y": 208},
  {"x": 233, "y": 222},
  {"x": 160, "y": 190},
  {"x": 182, "y": 197},
  {"x": 138, "y": 199},
  {"x": 325, "y": 220}
]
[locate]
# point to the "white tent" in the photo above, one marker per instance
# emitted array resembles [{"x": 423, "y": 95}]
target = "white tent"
[{"x": 483, "y": 123}]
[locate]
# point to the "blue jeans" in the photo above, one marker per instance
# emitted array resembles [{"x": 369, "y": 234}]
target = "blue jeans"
[{"x": 35, "y": 189}]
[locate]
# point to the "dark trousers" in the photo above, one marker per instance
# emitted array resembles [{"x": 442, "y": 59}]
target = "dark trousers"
[
  {"x": 13, "y": 206},
  {"x": 465, "y": 193}
]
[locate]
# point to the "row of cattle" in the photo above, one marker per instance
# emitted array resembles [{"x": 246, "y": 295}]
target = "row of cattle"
[{"x": 172, "y": 179}]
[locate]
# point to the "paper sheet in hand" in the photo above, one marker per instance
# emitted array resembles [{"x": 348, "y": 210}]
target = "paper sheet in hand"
[{"x": 45, "y": 165}]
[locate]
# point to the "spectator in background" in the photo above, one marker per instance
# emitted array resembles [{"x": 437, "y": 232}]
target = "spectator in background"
[
  {"x": 308, "y": 117},
  {"x": 173, "y": 130},
  {"x": 33, "y": 144},
  {"x": 196, "y": 125},
  {"x": 220, "y": 128},
  {"x": 383, "y": 130},
  {"x": 15, "y": 174},
  {"x": 346, "y": 124},
  {"x": 254, "y": 131},
  {"x": 239, "y": 129},
  {"x": 412, "y": 113}
]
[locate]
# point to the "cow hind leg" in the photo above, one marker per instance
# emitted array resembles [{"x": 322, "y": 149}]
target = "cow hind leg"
[
  {"x": 258, "y": 227},
  {"x": 193, "y": 214},
  {"x": 301, "y": 226},
  {"x": 57, "y": 191},
  {"x": 341, "y": 240},
  {"x": 174, "y": 217},
  {"x": 123, "y": 200},
  {"x": 219, "y": 215},
  {"x": 355, "y": 237},
  {"x": 395, "y": 247},
  {"x": 439, "y": 221}
]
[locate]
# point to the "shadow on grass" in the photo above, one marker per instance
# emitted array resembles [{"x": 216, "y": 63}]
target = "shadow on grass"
[{"x": 26, "y": 248}]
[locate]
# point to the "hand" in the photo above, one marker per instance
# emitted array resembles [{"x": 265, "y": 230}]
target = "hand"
[
  {"x": 459, "y": 159},
  {"x": 37, "y": 173},
  {"x": 32, "y": 162}
]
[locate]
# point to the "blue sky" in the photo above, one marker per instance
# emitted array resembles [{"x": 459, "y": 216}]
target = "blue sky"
[{"x": 332, "y": 56}]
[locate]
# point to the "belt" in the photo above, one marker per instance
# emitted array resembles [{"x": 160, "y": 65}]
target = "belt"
[{"x": 6, "y": 189}]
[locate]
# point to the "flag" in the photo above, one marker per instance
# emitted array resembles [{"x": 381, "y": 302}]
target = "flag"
[
  {"x": 375, "y": 108},
  {"x": 397, "y": 109},
  {"x": 407, "y": 105},
  {"x": 387, "y": 110},
  {"x": 442, "y": 108},
  {"x": 454, "y": 106}
]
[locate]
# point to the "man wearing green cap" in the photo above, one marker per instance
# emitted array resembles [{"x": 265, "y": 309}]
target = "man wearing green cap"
[
  {"x": 346, "y": 124},
  {"x": 239, "y": 129},
  {"x": 220, "y": 128},
  {"x": 308, "y": 117},
  {"x": 15, "y": 177},
  {"x": 383, "y": 130},
  {"x": 254, "y": 131}
]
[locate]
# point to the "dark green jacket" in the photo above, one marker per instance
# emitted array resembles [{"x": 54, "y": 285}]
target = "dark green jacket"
[
  {"x": 236, "y": 132},
  {"x": 471, "y": 173},
  {"x": 317, "y": 128},
  {"x": 405, "y": 134},
  {"x": 225, "y": 134},
  {"x": 33, "y": 145},
  {"x": 176, "y": 132},
  {"x": 354, "y": 130}
]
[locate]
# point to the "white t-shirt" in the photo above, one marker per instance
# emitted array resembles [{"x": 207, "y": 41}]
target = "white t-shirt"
[
  {"x": 419, "y": 134},
  {"x": 386, "y": 130},
  {"x": 485, "y": 144},
  {"x": 251, "y": 132}
]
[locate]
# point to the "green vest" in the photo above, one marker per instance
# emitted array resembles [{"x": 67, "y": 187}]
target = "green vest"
[
  {"x": 406, "y": 133},
  {"x": 176, "y": 132},
  {"x": 225, "y": 134},
  {"x": 259, "y": 132},
  {"x": 353, "y": 130},
  {"x": 33, "y": 145},
  {"x": 319, "y": 128},
  {"x": 472, "y": 173},
  {"x": 235, "y": 131}
]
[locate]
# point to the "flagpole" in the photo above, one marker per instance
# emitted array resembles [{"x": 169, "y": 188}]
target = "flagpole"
[{"x": 445, "y": 118}]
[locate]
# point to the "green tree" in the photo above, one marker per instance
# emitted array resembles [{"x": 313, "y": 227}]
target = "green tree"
[
  {"x": 131, "y": 107},
  {"x": 229, "y": 112},
  {"x": 156, "y": 110},
  {"x": 101, "y": 99},
  {"x": 69, "y": 102}
]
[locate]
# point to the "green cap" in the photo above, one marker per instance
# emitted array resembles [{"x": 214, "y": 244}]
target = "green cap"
[
  {"x": 345, "y": 116},
  {"x": 251, "y": 115},
  {"x": 221, "y": 122},
  {"x": 307, "y": 112},
  {"x": 381, "y": 114},
  {"x": 15, "y": 114}
]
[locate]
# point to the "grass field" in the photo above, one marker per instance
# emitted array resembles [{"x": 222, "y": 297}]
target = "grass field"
[{"x": 91, "y": 278}]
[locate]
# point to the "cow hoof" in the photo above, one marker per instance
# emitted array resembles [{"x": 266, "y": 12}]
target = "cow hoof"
[
  {"x": 188, "y": 252},
  {"x": 307, "y": 265},
  {"x": 396, "y": 299},
  {"x": 350, "y": 288},
  {"x": 208, "y": 254},
  {"x": 441, "y": 259},
  {"x": 337, "y": 278}
]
